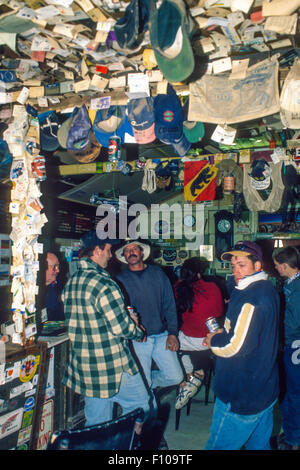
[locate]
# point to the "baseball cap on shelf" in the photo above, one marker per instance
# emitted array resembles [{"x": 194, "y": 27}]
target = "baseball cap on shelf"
[
  {"x": 170, "y": 28},
  {"x": 193, "y": 130},
  {"x": 113, "y": 121},
  {"x": 243, "y": 248},
  {"x": 93, "y": 238},
  {"x": 49, "y": 127},
  {"x": 120, "y": 252},
  {"x": 142, "y": 119}
]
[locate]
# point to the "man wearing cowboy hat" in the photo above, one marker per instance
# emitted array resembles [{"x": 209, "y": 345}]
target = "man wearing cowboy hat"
[{"x": 151, "y": 294}]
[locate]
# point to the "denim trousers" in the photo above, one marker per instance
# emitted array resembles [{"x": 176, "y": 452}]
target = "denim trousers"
[
  {"x": 232, "y": 431},
  {"x": 132, "y": 394},
  {"x": 290, "y": 406},
  {"x": 169, "y": 369}
]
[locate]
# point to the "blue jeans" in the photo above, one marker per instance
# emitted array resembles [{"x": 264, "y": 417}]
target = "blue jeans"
[
  {"x": 231, "y": 431},
  {"x": 290, "y": 406},
  {"x": 132, "y": 394},
  {"x": 170, "y": 371}
]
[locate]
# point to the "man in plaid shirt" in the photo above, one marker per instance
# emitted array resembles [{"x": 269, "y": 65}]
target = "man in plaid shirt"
[{"x": 100, "y": 366}]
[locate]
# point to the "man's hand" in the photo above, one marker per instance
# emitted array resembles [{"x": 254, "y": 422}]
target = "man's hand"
[
  {"x": 144, "y": 339},
  {"x": 206, "y": 341},
  {"x": 172, "y": 343}
]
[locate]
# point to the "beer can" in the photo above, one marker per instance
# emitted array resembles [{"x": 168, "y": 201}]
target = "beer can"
[
  {"x": 132, "y": 312},
  {"x": 114, "y": 148},
  {"x": 212, "y": 324}
]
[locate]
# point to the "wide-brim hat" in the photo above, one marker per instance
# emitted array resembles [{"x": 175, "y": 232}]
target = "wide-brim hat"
[
  {"x": 243, "y": 248},
  {"x": 84, "y": 156},
  {"x": 120, "y": 252},
  {"x": 170, "y": 28}
]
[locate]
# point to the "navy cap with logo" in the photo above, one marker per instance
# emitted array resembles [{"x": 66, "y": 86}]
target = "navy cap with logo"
[
  {"x": 243, "y": 248},
  {"x": 94, "y": 238},
  {"x": 168, "y": 116}
]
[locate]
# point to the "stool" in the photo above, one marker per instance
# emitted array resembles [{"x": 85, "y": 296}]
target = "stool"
[{"x": 206, "y": 382}]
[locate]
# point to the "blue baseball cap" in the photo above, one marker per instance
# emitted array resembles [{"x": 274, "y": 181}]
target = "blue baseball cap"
[
  {"x": 168, "y": 116},
  {"x": 49, "y": 126},
  {"x": 142, "y": 119},
  {"x": 243, "y": 248},
  {"x": 93, "y": 238},
  {"x": 113, "y": 121},
  {"x": 80, "y": 132},
  {"x": 181, "y": 146}
]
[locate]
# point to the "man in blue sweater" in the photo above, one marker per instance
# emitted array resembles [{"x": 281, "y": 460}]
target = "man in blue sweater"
[
  {"x": 287, "y": 263},
  {"x": 151, "y": 294},
  {"x": 246, "y": 376}
]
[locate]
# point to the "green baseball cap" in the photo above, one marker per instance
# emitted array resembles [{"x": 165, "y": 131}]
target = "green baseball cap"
[{"x": 170, "y": 28}]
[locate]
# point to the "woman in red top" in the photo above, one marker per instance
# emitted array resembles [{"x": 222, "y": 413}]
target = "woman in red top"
[{"x": 196, "y": 301}]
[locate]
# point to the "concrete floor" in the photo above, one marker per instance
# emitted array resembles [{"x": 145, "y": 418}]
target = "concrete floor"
[{"x": 193, "y": 430}]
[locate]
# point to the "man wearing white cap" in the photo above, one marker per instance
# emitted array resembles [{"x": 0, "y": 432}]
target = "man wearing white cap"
[{"x": 151, "y": 294}]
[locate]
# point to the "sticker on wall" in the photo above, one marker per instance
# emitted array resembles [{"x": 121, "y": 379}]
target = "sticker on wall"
[
  {"x": 46, "y": 425},
  {"x": 11, "y": 422},
  {"x": 29, "y": 367},
  {"x": 27, "y": 419},
  {"x": 24, "y": 436},
  {"x": 29, "y": 404}
]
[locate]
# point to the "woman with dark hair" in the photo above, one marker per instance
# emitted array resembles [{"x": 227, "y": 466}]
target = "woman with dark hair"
[{"x": 196, "y": 300}]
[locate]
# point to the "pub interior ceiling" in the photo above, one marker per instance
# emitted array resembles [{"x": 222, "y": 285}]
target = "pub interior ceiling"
[{"x": 73, "y": 74}]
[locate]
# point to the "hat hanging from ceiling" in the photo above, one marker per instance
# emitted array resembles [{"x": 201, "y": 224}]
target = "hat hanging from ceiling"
[
  {"x": 87, "y": 155},
  {"x": 80, "y": 133},
  {"x": 169, "y": 121},
  {"x": 142, "y": 119},
  {"x": 49, "y": 127},
  {"x": 113, "y": 121},
  {"x": 75, "y": 133},
  {"x": 120, "y": 252},
  {"x": 132, "y": 24},
  {"x": 170, "y": 29},
  {"x": 193, "y": 130}
]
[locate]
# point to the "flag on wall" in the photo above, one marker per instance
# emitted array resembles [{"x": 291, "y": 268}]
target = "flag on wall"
[{"x": 200, "y": 181}]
